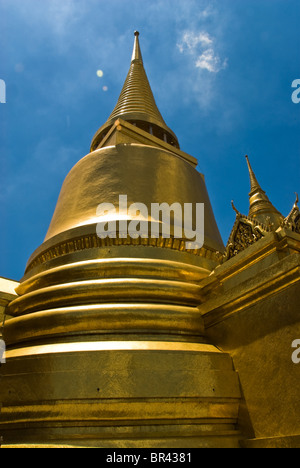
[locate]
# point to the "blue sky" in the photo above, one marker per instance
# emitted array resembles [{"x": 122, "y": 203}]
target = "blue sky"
[{"x": 221, "y": 72}]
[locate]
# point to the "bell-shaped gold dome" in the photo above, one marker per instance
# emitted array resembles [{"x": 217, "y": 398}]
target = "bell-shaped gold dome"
[
  {"x": 145, "y": 174},
  {"x": 135, "y": 161}
]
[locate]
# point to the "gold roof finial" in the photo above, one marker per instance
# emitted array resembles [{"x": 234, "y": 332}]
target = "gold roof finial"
[
  {"x": 253, "y": 180},
  {"x": 260, "y": 206},
  {"x": 136, "y": 54},
  {"x": 136, "y": 103}
]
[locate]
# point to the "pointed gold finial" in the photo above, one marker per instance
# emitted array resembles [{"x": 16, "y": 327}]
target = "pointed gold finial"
[
  {"x": 136, "y": 54},
  {"x": 234, "y": 208},
  {"x": 253, "y": 180},
  {"x": 260, "y": 206}
]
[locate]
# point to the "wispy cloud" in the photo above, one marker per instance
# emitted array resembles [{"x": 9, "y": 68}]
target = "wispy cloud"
[
  {"x": 210, "y": 61},
  {"x": 202, "y": 48},
  {"x": 191, "y": 41}
]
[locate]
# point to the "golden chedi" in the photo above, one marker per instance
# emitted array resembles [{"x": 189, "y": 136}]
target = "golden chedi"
[
  {"x": 122, "y": 340},
  {"x": 106, "y": 346}
]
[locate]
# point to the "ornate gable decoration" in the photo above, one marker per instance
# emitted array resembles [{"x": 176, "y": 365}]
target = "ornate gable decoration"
[
  {"x": 245, "y": 232},
  {"x": 292, "y": 221}
]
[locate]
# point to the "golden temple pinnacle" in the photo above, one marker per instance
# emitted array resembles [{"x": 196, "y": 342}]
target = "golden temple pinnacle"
[
  {"x": 136, "y": 54},
  {"x": 136, "y": 104},
  {"x": 260, "y": 206},
  {"x": 253, "y": 180}
]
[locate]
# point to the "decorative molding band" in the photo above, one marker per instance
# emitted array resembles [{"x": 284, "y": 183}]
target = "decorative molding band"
[{"x": 92, "y": 241}]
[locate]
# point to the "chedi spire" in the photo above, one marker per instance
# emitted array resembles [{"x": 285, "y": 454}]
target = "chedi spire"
[
  {"x": 136, "y": 104},
  {"x": 261, "y": 208}
]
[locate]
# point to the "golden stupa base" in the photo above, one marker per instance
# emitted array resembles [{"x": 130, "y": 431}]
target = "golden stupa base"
[{"x": 127, "y": 394}]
